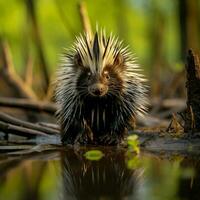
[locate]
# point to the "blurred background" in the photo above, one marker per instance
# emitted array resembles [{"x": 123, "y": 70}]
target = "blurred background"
[{"x": 158, "y": 32}]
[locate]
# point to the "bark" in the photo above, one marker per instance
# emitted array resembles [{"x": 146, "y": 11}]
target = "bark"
[{"x": 192, "y": 114}]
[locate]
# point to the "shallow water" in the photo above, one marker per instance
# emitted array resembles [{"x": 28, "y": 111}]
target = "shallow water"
[{"x": 68, "y": 174}]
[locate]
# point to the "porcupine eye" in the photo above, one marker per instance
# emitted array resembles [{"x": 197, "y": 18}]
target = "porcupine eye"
[
  {"x": 107, "y": 76},
  {"x": 89, "y": 75}
]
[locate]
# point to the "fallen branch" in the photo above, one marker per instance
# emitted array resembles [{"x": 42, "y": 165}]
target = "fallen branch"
[
  {"x": 21, "y": 131},
  {"x": 14, "y": 121},
  {"x": 25, "y": 104},
  {"x": 50, "y": 125}
]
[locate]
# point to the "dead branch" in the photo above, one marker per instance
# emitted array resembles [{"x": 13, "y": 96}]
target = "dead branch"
[
  {"x": 14, "y": 121},
  {"x": 50, "y": 125},
  {"x": 21, "y": 131},
  {"x": 85, "y": 18},
  {"x": 8, "y": 73},
  {"x": 31, "y": 105}
]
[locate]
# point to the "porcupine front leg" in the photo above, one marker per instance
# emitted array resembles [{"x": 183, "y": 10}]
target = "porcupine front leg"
[
  {"x": 77, "y": 133},
  {"x": 69, "y": 135},
  {"x": 115, "y": 135},
  {"x": 118, "y": 131}
]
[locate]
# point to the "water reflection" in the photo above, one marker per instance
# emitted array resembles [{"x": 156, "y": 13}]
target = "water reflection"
[
  {"x": 190, "y": 187},
  {"x": 119, "y": 174},
  {"x": 108, "y": 178}
]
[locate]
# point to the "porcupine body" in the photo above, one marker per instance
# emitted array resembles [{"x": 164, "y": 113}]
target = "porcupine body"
[{"x": 99, "y": 91}]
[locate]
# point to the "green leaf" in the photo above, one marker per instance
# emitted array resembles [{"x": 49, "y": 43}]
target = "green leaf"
[
  {"x": 132, "y": 137},
  {"x": 94, "y": 155}
]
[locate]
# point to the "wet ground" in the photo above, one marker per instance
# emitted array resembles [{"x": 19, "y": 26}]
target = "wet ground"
[{"x": 51, "y": 172}]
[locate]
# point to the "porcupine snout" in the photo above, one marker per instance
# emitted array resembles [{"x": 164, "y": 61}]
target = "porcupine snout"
[{"x": 97, "y": 89}]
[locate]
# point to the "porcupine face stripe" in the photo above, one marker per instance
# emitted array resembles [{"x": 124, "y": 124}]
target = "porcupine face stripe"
[{"x": 89, "y": 61}]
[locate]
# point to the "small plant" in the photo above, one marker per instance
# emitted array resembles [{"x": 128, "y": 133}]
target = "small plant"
[
  {"x": 133, "y": 143},
  {"x": 132, "y": 159}
]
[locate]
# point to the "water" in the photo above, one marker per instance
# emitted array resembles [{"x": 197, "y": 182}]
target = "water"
[{"x": 119, "y": 174}]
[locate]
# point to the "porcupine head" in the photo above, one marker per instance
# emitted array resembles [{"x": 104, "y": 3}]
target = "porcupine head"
[{"x": 99, "y": 91}]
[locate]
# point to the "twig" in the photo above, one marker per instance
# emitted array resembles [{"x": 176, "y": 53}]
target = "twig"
[
  {"x": 8, "y": 72},
  {"x": 85, "y": 18},
  {"x": 14, "y": 121},
  {"x": 28, "y": 105}
]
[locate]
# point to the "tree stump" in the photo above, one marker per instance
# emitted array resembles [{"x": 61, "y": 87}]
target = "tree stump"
[{"x": 192, "y": 113}]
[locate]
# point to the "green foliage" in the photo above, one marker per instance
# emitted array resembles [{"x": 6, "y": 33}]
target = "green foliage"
[
  {"x": 59, "y": 22},
  {"x": 93, "y": 155}
]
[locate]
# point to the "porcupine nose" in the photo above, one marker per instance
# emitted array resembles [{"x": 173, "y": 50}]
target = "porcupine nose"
[{"x": 97, "y": 89}]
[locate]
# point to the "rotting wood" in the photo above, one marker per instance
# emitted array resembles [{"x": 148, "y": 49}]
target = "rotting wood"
[{"x": 192, "y": 113}]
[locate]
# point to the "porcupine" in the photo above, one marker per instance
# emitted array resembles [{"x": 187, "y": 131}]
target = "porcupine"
[{"x": 99, "y": 91}]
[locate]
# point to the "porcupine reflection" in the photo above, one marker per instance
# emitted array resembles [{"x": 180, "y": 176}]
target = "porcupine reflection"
[{"x": 108, "y": 178}]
